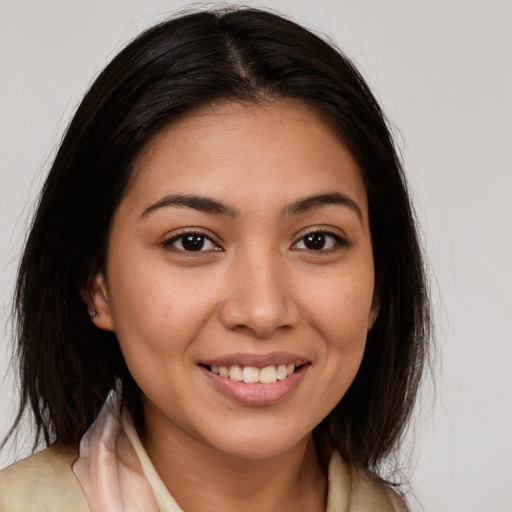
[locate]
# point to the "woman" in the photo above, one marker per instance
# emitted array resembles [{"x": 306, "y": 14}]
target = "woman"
[{"x": 222, "y": 301}]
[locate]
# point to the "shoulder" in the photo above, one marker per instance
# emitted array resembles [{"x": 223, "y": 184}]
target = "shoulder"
[
  {"x": 360, "y": 493},
  {"x": 368, "y": 494},
  {"x": 42, "y": 482}
]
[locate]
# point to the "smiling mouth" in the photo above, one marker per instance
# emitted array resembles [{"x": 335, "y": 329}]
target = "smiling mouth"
[{"x": 252, "y": 374}]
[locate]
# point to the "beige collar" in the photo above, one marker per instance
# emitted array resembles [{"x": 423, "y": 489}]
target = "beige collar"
[{"x": 117, "y": 475}]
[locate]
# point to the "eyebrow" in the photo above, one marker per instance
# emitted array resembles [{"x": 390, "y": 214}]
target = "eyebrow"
[
  {"x": 200, "y": 203},
  {"x": 215, "y": 207},
  {"x": 319, "y": 200}
]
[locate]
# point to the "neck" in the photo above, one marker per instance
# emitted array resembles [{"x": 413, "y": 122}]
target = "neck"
[{"x": 203, "y": 479}]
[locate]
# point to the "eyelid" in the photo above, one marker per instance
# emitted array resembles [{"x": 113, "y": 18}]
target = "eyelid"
[
  {"x": 340, "y": 237},
  {"x": 170, "y": 238}
]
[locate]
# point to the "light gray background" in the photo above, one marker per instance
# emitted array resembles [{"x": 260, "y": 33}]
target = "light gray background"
[{"x": 442, "y": 70}]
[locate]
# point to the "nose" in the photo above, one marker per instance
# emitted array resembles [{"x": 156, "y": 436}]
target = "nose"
[{"x": 260, "y": 299}]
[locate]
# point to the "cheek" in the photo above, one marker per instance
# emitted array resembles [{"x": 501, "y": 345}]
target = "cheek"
[
  {"x": 342, "y": 305},
  {"x": 340, "y": 311},
  {"x": 159, "y": 315}
]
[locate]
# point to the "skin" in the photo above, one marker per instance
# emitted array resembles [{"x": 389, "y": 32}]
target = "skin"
[{"x": 254, "y": 288}]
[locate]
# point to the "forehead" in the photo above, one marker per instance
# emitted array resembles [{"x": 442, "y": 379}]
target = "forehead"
[{"x": 277, "y": 150}]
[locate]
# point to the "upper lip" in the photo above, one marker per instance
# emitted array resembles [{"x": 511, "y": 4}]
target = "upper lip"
[{"x": 256, "y": 360}]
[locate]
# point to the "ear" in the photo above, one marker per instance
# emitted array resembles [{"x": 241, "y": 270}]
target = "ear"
[
  {"x": 374, "y": 312},
  {"x": 96, "y": 298}
]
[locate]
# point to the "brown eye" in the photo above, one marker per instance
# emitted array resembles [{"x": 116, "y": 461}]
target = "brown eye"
[
  {"x": 318, "y": 241},
  {"x": 315, "y": 241},
  {"x": 191, "y": 242}
]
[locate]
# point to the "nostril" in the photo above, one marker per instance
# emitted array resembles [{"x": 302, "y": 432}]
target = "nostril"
[{"x": 259, "y": 311}]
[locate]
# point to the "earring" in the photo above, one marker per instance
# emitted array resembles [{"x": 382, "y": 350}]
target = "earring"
[{"x": 93, "y": 314}]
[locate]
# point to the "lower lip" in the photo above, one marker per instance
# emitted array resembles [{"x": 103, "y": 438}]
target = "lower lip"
[{"x": 257, "y": 394}]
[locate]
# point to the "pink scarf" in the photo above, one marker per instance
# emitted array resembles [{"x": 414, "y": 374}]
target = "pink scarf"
[{"x": 110, "y": 470}]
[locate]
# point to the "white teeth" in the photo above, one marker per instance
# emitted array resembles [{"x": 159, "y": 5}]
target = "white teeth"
[
  {"x": 251, "y": 374},
  {"x": 281, "y": 373},
  {"x": 235, "y": 373},
  {"x": 268, "y": 375}
]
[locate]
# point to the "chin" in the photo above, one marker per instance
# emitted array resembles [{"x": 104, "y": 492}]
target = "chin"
[{"x": 260, "y": 441}]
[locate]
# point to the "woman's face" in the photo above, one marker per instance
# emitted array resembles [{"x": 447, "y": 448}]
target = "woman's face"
[{"x": 239, "y": 278}]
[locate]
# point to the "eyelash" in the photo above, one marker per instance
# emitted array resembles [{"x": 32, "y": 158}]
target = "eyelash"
[
  {"x": 181, "y": 236},
  {"x": 339, "y": 242}
]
